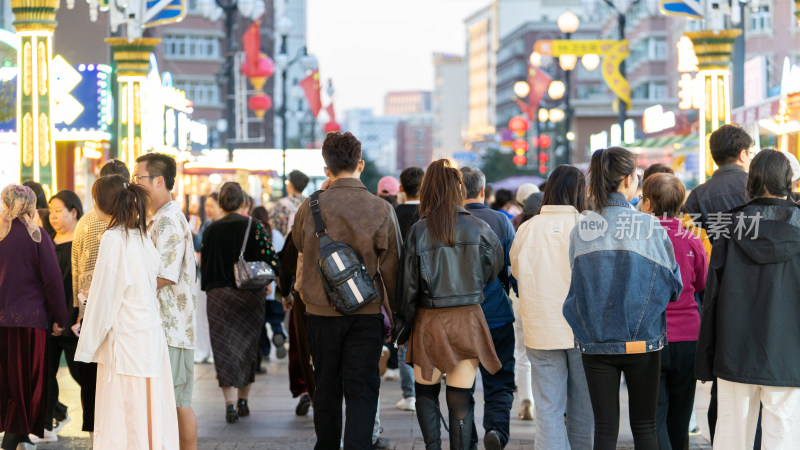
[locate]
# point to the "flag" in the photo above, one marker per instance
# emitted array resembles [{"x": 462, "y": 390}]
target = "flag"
[
  {"x": 539, "y": 82},
  {"x": 311, "y": 87},
  {"x": 331, "y": 113},
  {"x": 251, "y": 42},
  {"x": 525, "y": 108}
]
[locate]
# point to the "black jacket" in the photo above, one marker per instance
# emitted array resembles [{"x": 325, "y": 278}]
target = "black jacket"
[
  {"x": 725, "y": 190},
  {"x": 751, "y": 310},
  {"x": 433, "y": 275}
]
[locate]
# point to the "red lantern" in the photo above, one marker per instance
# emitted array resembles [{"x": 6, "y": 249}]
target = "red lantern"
[
  {"x": 543, "y": 157},
  {"x": 535, "y": 142},
  {"x": 520, "y": 160},
  {"x": 543, "y": 168},
  {"x": 332, "y": 127},
  {"x": 518, "y": 124},
  {"x": 544, "y": 141},
  {"x": 264, "y": 69},
  {"x": 520, "y": 145},
  {"x": 259, "y": 103}
]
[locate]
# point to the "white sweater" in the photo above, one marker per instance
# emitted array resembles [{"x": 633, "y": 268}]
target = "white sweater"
[{"x": 540, "y": 263}]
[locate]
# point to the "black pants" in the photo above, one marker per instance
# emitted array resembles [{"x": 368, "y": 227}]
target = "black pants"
[
  {"x": 273, "y": 315},
  {"x": 676, "y": 395},
  {"x": 641, "y": 375},
  {"x": 345, "y": 351},
  {"x": 88, "y": 372},
  {"x": 56, "y": 345},
  {"x": 498, "y": 389}
]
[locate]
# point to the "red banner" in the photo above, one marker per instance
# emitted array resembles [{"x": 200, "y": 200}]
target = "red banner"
[
  {"x": 251, "y": 42},
  {"x": 311, "y": 87},
  {"x": 331, "y": 113},
  {"x": 539, "y": 81}
]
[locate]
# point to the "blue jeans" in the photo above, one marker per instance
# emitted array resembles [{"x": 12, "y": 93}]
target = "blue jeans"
[
  {"x": 559, "y": 387},
  {"x": 406, "y": 373}
]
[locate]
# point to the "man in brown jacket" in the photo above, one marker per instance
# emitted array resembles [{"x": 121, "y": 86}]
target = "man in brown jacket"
[{"x": 346, "y": 349}]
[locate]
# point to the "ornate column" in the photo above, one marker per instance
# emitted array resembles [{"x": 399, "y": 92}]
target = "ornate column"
[
  {"x": 35, "y": 21},
  {"x": 132, "y": 59},
  {"x": 713, "y": 52}
]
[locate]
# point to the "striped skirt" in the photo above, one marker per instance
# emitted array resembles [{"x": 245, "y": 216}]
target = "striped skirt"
[{"x": 235, "y": 318}]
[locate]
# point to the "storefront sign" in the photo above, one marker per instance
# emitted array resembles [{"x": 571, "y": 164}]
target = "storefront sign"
[
  {"x": 655, "y": 119},
  {"x": 687, "y": 66}
]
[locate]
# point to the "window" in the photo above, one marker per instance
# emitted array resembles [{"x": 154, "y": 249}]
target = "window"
[
  {"x": 658, "y": 49},
  {"x": 761, "y": 20},
  {"x": 651, "y": 90},
  {"x": 191, "y": 46},
  {"x": 202, "y": 93}
]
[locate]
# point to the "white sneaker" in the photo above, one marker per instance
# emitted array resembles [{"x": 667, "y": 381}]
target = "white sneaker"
[
  {"x": 60, "y": 424},
  {"x": 49, "y": 436},
  {"x": 26, "y": 446},
  {"x": 407, "y": 404},
  {"x": 392, "y": 374}
]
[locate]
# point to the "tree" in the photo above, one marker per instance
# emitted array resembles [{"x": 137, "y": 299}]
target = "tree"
[
  {"x": 370, "y": 175},
  {"x": 497, "y": 165}
]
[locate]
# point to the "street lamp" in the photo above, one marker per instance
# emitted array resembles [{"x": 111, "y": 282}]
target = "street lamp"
[
  {"x": 568, "y": 23},
  {"x": 308, "y": 62},
  {"x": 251, "y": 9},
  {"x": 522, "y": 89}
]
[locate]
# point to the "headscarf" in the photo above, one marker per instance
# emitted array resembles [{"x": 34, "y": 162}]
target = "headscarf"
[{"x": 18, "y": 202}]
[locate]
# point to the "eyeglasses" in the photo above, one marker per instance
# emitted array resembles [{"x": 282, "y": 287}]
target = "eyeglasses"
[{"x": 136, "y": 178}]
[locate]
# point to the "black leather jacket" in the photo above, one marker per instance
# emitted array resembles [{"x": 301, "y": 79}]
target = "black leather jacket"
[{"x": 433, "y": 275}]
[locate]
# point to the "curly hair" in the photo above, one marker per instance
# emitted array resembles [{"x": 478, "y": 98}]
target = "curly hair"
[{"x": 341, "y": 152}]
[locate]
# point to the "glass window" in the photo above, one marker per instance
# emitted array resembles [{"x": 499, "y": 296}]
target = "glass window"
[
  {"x": 761, "y": 20},
  {"x": 190, "y": 46}
]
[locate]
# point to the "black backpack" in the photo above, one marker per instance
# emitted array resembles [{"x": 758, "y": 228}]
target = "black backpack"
[{"x": 342, "y": 270}]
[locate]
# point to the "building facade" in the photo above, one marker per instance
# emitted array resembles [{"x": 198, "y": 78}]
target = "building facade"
[
  {"x": 378, "y": 136},
  {"x": 402, "y": 103},
  {"x": 448, "y": 105},
  {"x": 415, "y": 141}
]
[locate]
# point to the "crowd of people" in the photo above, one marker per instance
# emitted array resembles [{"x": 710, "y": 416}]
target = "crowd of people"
[{"x": 552, "y": 293}]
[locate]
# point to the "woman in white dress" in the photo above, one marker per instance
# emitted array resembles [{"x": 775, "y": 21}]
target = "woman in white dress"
[{"x": 122, "y": 331}]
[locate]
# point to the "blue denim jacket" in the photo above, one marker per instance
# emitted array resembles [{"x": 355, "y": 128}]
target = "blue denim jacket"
[{"x": 623, "y": 275}]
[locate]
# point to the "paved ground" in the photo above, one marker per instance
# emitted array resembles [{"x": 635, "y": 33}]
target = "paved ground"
[{"x": 273, "y": 424}]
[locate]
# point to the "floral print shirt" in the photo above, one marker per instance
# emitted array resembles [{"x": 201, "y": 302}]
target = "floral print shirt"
[
  {"x": 281, "y": 217},
  {"x": 170, "y": 233}
]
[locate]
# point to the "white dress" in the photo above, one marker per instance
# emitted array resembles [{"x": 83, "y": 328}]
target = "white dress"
[{"x": 122, "y": 332}]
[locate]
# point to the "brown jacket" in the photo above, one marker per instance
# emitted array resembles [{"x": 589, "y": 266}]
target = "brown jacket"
[{"x": 361, "y": 220}]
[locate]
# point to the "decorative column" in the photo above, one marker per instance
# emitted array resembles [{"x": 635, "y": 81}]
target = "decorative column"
[
  {"x": 35, "y": 21},
  {"x": 713, "y": 50},
  {"x": 132, "y": 60}
]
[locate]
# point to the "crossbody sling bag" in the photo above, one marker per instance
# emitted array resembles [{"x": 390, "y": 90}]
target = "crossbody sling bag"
[{"x": 341, "y": 268}]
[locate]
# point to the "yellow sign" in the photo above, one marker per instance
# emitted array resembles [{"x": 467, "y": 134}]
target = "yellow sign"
[{"x": 612, "y": 53}]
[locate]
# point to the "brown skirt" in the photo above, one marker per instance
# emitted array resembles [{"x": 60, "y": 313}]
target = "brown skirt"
[
  {"x": 22, "y": 380},
  {"x": 442, "y": 337},
  {"x": 235, "y": 318}
]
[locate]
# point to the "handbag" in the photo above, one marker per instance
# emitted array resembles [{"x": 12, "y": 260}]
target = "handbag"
[
  {"x": 344, "y": 274},
  {"x": 252, "y": 274}
]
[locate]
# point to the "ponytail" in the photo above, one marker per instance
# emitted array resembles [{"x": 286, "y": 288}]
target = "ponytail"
[
  {"x": 607, "y": 169},
  {"x": 126, "y": 203}
]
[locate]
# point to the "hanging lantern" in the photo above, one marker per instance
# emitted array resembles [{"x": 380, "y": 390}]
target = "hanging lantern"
[
  {"x": 259, "y": 103},
  {"x": 520, "y": 160},
  {"x": 544, "y": 141},
  {"x": 518, "y": 124},
  {"x": 535, "y": 142},
  {"x": 543, "y": 168},
  {"x": 332, "y": 127},
  {"x": 520, "y": 145},
  {"x": 543, "y": 158},
  {"x": 265, "y": 68}
]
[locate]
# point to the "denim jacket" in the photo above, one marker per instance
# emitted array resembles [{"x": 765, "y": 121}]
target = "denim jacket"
[{"x": 623, "y": 275}]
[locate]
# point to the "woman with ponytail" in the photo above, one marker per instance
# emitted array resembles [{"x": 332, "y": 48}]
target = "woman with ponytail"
[
  {"x": 122, "y": 330},
  {"x": 448, "y": 257},
  {"x": 623, "y": 275}
]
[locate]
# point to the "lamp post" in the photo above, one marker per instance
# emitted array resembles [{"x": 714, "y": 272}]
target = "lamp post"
[
  {"x": 568, "y": 23},
  {"x": 621, "y": 8},
  {"x": 283, "y": 26},
  {"x": 212, "y": 10}
]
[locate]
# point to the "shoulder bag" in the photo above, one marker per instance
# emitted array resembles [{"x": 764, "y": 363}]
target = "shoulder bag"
[{"x": 252, "y": 274}]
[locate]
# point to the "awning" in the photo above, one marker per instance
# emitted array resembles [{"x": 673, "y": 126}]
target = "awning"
[{"x": 665, "y": 141}]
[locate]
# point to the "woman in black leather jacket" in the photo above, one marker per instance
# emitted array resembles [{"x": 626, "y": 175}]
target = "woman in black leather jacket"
[{"x": 448, "y": 257}]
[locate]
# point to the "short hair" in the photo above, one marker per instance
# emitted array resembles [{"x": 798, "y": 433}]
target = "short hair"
[
  {"x": 727, "y": 142},
  {"x": 665, "y": 192},
  {"x": 341, "y": 152},
  {"x": 474, "y": 181},
  {"x": 770, "y": 174},
  {"x": 71, "y": 201},
  {"x": 231, "y": 197},
  {"x": 160, "y": 165},
  {"x": 115, "y": 167},
  {"x": 411, "y": 180},
  {"x": 501, "y": 198},
  {"x": 653, "y": 169},
  {"x": 299, "y": 180}
]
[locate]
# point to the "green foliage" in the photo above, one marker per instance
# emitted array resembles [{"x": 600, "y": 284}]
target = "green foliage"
[
  {"x": 497, "y": 166},
  {"x": 370, "y": 175}
]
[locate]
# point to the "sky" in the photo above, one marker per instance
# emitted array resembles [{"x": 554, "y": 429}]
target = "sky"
[{"x": 370, "y": 47}]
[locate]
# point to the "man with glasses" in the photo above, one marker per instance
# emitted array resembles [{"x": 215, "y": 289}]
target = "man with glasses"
[{"x": 172, "y": 237}]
